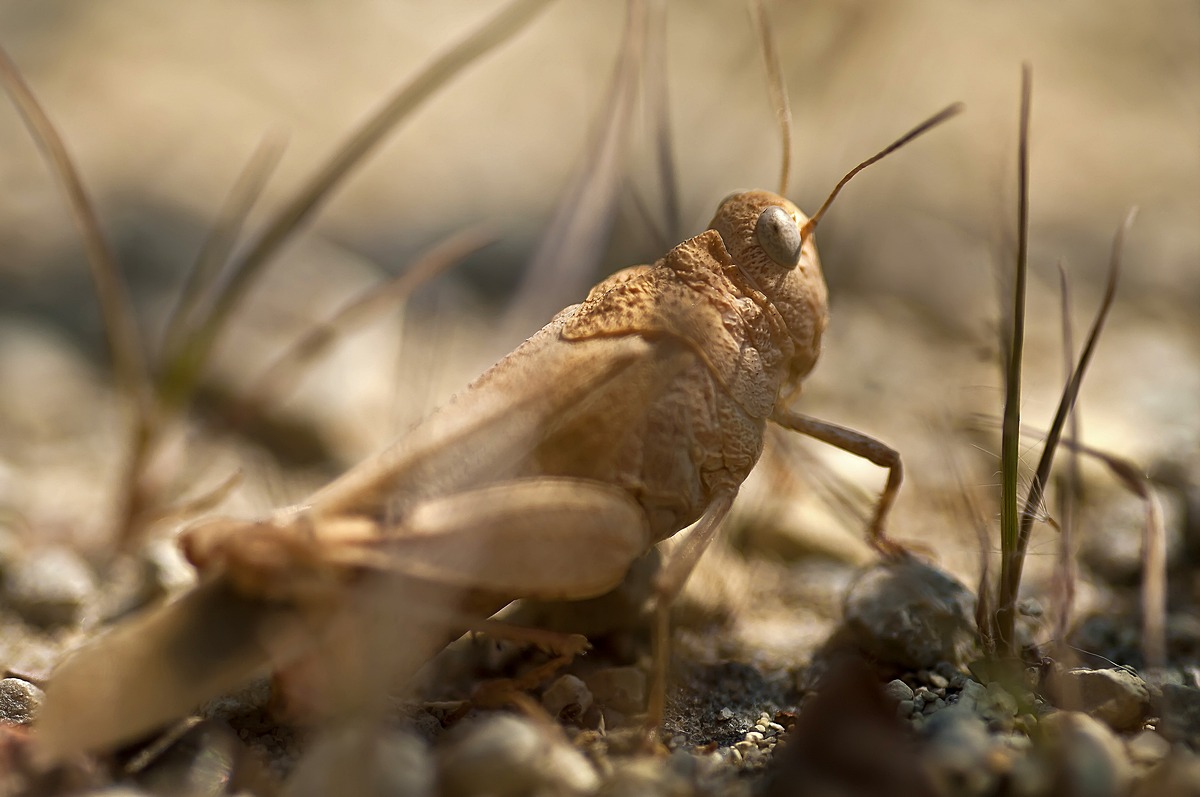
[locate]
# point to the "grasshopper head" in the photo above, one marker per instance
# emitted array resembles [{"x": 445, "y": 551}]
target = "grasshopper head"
[{"x": 762, "y": 233}]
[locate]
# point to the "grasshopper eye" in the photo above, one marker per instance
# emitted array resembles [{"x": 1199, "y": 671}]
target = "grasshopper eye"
[{"x": 779, "y": 236}]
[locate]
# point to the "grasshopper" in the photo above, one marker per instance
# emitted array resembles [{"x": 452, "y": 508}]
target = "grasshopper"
[{"x": 629, "y": 417}]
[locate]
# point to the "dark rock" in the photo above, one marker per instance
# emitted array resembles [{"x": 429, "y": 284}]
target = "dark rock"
[{"x": 912, "y": 615}]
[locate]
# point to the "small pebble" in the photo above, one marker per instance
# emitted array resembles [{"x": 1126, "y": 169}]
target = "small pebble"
[
  {"x": 898, "y": 690},
  {"x": 938, "y": 681},
  {"x": 905, "y": 708},
  {"x": 19, "y": 701},
  {"x": 568, "y": 698},
  {"x": 50, "y": 587},
  {"x": 725, "y": 715},
  {"x": 754, "y": 736}
]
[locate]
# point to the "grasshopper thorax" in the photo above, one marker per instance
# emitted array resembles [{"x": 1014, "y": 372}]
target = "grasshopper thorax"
[{"x": 762, "y": 233}]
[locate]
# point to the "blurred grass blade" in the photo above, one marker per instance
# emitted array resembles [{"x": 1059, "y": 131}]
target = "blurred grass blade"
[
  {"x": 1054, "y": 434},
  {"x": 215, "y": 252},
  {"x": 184, "y": 370},
  {"x": 566, "y": 258},
  {"x": 120, "y": 324},
  {"x": 283, "y": 374},
  {"x": 777, "y": 86},
  {"x": 1154, "y": 548},
  {"x": 575, "y": 241},
  {"x": 657, "y": 104},
  {"x": 1010, "y": 435},
  {"x": 1065, "y": 571},
  {"x": 191, "y": 508}
]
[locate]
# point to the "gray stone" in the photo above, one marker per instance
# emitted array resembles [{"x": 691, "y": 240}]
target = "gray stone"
[
  {"x": 567, "y": 698},
  {"x": 504, "y": 755},
  {"x": 1117, "y": 697},
  {"x": 50, "y": 587},
  {"x": 364, "y": 760},
  {"x": 911, "y": 614},
  {"x": 898, "y": 690},
  {"x": 622, "y": 688},
  {"x": 19, "y": 701},
  {"x": 992, "y": 703}
]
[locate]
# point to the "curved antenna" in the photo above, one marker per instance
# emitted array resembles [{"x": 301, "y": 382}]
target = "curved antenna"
[
  {"x": 778, "y": 87},
  {"x": 930, "y": 123}
]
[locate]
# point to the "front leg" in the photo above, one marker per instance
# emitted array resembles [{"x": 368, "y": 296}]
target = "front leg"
[{"x": 868, "y": 448}]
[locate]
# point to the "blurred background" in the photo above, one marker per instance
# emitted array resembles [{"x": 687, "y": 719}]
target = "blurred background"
[{"x": 163, "y": 104}]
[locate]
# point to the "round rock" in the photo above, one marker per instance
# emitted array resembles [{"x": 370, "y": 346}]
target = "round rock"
[
  {"x": 911, "y": 614},
  {"x": 19, "y": 701},
  {"x": 362, "y": 760},
  {"x": 504, "y": 755},
  {"x": 50, "y": 587},
  {"x": 898, "y": 690},
  {"x": 567, "y": 698}
]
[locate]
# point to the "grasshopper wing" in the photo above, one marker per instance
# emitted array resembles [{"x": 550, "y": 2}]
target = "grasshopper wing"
[{"x": 159, "y": 666}]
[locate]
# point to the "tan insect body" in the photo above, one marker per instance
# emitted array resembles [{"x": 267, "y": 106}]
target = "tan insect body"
[{"x": 627, "y": 418}]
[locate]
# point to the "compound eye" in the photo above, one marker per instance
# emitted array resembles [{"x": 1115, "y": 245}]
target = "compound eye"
[{"x": 778, "y": 236}]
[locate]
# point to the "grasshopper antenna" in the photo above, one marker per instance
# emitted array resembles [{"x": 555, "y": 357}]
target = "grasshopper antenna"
[
  {"x": 777, "y": 85},
  {"x": 941, "y": 116}
]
